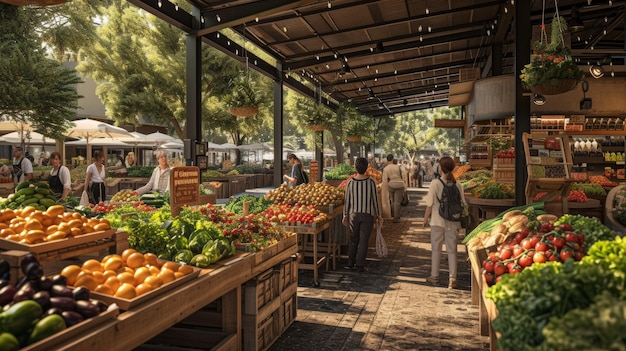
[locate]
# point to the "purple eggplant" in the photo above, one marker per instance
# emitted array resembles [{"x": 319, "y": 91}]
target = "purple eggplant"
[
  {"x": 45, "y": 283},
  {"x": 59, "y": 280},
  {"x": 26, "y": 260},
  {"x": 6, "y": 294},
  {"x": 26, "y": 292},
  {"x": 102, "y": 306},
  {"x": 71, "y": 318},
  {"x": 87, "y": 308},
  {"x": 64, "y": 303},
  {"x": 43, "y": 298},
  {"x": 61, "y": 291},
  {"x": 52, "y": 310},
  {"x": 81, "y": 293}
]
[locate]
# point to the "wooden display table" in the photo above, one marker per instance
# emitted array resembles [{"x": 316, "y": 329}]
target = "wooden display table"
[
  {"x": 487, "y": 309},
  {"x": 483, "y": 209}
]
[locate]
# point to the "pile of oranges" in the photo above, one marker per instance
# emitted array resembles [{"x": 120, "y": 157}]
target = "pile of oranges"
[
  {"x": 127, "y": 276},
  {"x": 32, "y": 226}
]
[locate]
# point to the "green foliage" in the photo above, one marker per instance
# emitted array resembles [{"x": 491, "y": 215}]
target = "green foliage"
[
  {"x": 257, "y": 204},
  {"x": 341, "y": 172},
  {"x": 552, "y": 61}
]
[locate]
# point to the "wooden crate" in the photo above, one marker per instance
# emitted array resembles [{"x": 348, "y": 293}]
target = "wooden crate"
[
  {"x": 260, "y": 335},
  {"x": 504, "y": 175},
  {"x": 501, "y": 162},
  {"x": 285, "y": 273},
  {"x": 259, "y": 292},
  {"x": 287, "y": 312},
  {"x": 176, "y": 338}
]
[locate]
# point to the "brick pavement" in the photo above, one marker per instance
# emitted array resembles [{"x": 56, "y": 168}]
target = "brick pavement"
[{"x": 390, "y": 307}]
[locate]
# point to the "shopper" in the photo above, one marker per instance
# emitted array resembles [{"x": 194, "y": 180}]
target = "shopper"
[
  {"x": 436, "y": 171},
  {"x": 440, "y": 229},
  {"x": 94, "y": 179},
  {"x": 59, "y": 179},
  {"x": 22, "y": 166},
  {"x": 130, "y": 159},
  {"x": 119, "y": 169},
  {"x": 359, "y": 211},
  {"x": 296, "y": 176},
  {"x": 392, "y": 181},
  {"x": 160, "y": 178}
]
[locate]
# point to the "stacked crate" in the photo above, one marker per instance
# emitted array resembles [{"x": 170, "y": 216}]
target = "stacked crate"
[{"x": 504, "y": 170}]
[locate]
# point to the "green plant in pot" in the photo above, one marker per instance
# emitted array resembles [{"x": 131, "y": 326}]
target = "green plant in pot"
[
  {"x": 355, "y": 124},
  {"x": 551, "y": 69},
  {"x": 243, "y": 100},
  {"x": 319, "y": 119}
]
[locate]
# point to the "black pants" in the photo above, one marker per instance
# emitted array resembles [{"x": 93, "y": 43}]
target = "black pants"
[{"x": 97, "y": 193}]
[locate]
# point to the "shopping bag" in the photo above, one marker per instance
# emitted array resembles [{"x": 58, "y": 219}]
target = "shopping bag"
[
  {"x": 84, "y": 199},
  {"x": 381, "y": 246}
]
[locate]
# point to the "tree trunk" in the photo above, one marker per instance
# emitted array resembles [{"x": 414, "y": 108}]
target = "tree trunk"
[{"x": 338, "y": 147}]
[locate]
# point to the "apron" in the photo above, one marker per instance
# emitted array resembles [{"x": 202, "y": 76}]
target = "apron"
[{"x": 56, "y": 186}]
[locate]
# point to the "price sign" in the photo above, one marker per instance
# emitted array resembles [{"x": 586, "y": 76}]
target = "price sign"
[
  {"x": 184, "y": 185},
  {"x": 314, "y": 171}
]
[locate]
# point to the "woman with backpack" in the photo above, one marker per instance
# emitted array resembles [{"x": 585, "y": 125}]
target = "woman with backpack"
[{"x": 442, "y": 229}]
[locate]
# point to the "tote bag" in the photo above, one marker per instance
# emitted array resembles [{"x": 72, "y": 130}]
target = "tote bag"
[{"x": 381, "y": 245}]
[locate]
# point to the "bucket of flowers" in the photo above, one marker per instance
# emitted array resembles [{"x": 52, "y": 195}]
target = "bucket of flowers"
[{"x": 551, "y": 70}]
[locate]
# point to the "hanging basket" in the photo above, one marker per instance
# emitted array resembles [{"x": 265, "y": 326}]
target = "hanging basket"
[
  {"x": 554, "y": 87},
  {"x": 317, "y": 127},
  {"x": 243, "y": 111},
  {"x": 34, "y": 2},
  {"x": 354, "y": 138}
]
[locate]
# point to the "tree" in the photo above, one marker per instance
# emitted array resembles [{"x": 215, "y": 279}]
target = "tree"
[{"x": 33, "y": 88}]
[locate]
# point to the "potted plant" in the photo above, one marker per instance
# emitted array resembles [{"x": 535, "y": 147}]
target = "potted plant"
[
  {"x": 243, "y": 100},
  {"x": 551, "y": 69},
  {"x": 356, "y": 125},
  {"x": 319, "y": 119}
]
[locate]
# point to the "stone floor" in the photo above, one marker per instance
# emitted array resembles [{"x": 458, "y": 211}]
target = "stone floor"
[{"x": 390, "y": 307}]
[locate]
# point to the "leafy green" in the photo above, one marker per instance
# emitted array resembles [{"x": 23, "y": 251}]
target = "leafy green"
[
  {"x": 341, "y": 172},
  {"x": 591, "y": 227},
  {"x": 145, "y": 236},
  {"x": 257, "y": 204}
]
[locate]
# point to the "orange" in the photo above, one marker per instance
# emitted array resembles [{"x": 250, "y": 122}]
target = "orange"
[
  {"x": 154, "y": 270},
  {"x": 135, "y": 260},
  {"x": 154, "y": 281},
  {"x": 150, "y": 258},
  {"x": 93, "y": 265},
  {"x": 98, "y": 277},
  {"x": 141, "y": 274},
  {"x": 76, "y": 231},
  {"x": 126, "y": 278},
  {"x": 104, "y": 289},
  {"x": 128, "y": 269},
  {"x": 70, "y": 272},
  {"x": 113, "y": 283},
  {"x": 143, "y": 288},
  {"x": 126, "y": 291},
  {"x": 88, "y": 229},
  {"x": 127, "y": 253},
  {"x": 77, "y": 215},
  {"x": 172, "y": 266},
  {"x": 166, "y": 275},
  {"x": 178, "y": 275},
  {"x": 113, "y": 263},
  {"x": 86, "y": 280},
  {"x": 109, "y": 273},
  {"x": 185, "y": 269}
]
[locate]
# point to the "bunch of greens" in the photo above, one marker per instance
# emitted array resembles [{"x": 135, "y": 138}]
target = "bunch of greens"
[
  {"x": 146, "y": 236},
  {"x": 341, "y": 172},
  {"x": 140, "y": 171},
  {"x": 527, "y": 301},
  {"x": 257, "y": 204},
  {"x": 590, "y": 189},
  {"x": 249, "y": 169},
  {"x": 493, "y": 190},
  {"x": 479, "y": 173},
  {"x": 591, "y": 227}
]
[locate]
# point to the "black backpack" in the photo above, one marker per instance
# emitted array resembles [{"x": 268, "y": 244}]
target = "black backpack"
[{"x": 450, "y": 205}]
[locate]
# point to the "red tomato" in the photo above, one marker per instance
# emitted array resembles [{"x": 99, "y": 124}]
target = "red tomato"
[
  {"x": 527, "y": 244},
  {"x": 518, "y": 250},
  {"x": 506, "y": 252},
  {"x": 541, "y": 246},
  {"x": 571, "y": 237},
  {"x": 515, "y": 268},
  {"x": 488, "y": 266},
  {"x": 578, "y": 255},
  {"x": 558, "y": 242},
  {"x": 499, "y": 268},
  {"x": 526, "y": 260},
  {"x": 566, "y": 253},
  {"x": 490, "y": 278},
  {"x": 565, "y": 227},
  {"x": 533, "y": 240}
]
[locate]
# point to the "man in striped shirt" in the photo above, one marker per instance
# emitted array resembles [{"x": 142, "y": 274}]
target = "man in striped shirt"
[{"x": 360, "y": 209}]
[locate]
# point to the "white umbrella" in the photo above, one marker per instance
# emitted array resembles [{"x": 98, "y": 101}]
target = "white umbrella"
[
  {"x": 172, "y": 145},
  {"x": 226, "y": 146},
  {"x": 98, "y": 142},
  {"x": 89, "y": 129},
  {"x": 158, "y": 138},
  {"x": 29, "y": 137},
  {"x": 257, "y": 146}
]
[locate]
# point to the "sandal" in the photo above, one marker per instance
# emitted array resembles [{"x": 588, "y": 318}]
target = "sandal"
[
  {"x": 452, "y": 284},
  {"x": 432, "y": 280}
]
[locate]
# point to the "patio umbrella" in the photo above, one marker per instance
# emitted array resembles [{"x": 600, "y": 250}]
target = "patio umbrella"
[
  {"x": 98, "y": 142},
  {"x": 89, "y": 129},
  {"x": 158, "y": 138},
  {"x": 29, "y": 137}
]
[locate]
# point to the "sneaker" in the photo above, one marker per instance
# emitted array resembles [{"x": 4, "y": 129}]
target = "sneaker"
[
  {"x": 432, "y": 280},
  {"x": 452, "y": 284}
]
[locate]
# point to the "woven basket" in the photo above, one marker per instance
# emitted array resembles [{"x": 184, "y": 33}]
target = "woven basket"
[
  {"x": 317, "y": 127},
  {"x": 243, "y": 111},
  {"x": 554, "y": 87},
  {"x": 354, "y": 138}
]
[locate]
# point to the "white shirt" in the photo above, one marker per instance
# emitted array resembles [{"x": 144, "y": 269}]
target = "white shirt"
[
  {"x": 95, "y": 176},
  {"x": 27, "y": 167},
  {"x": 64, "y": 176}
]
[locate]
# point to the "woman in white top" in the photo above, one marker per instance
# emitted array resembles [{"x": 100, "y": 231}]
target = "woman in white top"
[
  {"x": 94, "y": 180},
  {"x": 59, "y": 180},
  {"x": 160, "y": 179},
  {"x": 392, "y": 181}
]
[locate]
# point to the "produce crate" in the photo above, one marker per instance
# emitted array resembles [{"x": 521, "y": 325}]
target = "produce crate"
[
  {"x": 260, "y": 335},
  {"x": 176, "y": 338},
  {"x": 287, "y": 312},
  {"x": 501, "y": 162},
  {"x": 259, "y": 292},
  {"x": 504, "y": 175},
  {"x": 128, "y": 304},
  {"x": 237, "y": 185},
  {"x": 67, "y": 335},
  {"x": 287, "y": 273}
]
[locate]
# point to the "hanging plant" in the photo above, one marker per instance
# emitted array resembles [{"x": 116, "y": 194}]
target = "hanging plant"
[
  {"x": 551, "y": 69},
  {"x": 355, "y": 124},
  {"x": 319, "y": 119},
  {"x": 243, "y": 100}
]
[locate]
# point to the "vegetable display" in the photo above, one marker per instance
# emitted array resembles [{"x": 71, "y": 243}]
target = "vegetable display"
[
  {"x": 540, "y": 307},
  {"x": 37, "y": 195},
  {"x": 317, "y": 194},
  {"x": 494, "y": 190},
  {"x": 257, "y": 204},
  {"x": 39, "y": 307},
  {"x": 341, "y": 172}
]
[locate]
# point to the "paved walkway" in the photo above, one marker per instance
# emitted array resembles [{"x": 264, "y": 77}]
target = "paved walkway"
[{"x": 390, "y": 307}]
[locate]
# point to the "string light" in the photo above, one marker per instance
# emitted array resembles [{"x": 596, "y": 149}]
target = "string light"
[
  {"x": 419, "y": 29},
  {"x": 506, "y": 10},
  {"x": 329, "y": 5},
  {"x": 421, "y": 39},
  {"x": 284, "y": 29},
  {"x": 256, "y": 19},
  {"x": 430, "y": 29},
  {"x": 218, "y": 18}
]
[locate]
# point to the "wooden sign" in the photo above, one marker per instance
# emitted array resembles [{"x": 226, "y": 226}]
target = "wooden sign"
[
  {"x": 314, "y": 172},
  {"x": 184, "y": 185}
]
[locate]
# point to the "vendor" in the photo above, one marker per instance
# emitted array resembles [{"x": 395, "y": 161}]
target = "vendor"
[
  {"x": 130, "y": 159},
  {"x": 160, "y": 179},
  {"x": 22, "y": 167},
  {"x": 119, "y": 169},
  {"x": 59, "y": 179}
]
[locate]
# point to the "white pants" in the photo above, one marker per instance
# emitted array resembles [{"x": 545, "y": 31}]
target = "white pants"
[{"x": 437, "y": 237}]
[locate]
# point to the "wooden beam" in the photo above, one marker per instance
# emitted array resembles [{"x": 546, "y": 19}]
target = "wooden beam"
[{"x": 450, "y": 123}]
